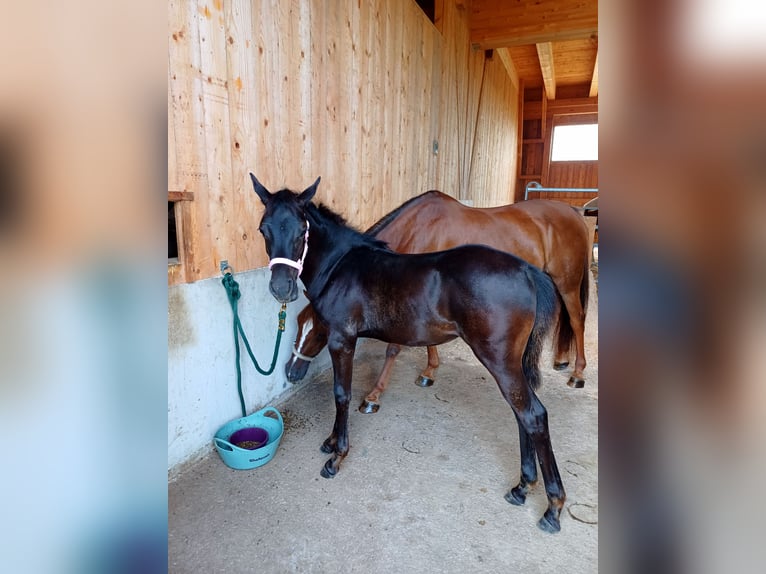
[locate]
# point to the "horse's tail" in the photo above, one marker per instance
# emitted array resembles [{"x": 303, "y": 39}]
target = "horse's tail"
[
  {"x": 564, "y": 333},
  {"x": 547, "y": 307}
]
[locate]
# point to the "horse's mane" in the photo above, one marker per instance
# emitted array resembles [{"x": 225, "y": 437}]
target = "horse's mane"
[
  {"x": 337, "y": 220},
  {"x": 388, "y": 218}
]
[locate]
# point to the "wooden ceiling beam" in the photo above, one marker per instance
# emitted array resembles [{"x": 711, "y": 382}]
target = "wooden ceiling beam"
[
  {"x": 510, "y": 67},
  {"x": 502, "y": 24},
  {"x": 545, "y": 55},
  {"x": 594, "y": 80}
]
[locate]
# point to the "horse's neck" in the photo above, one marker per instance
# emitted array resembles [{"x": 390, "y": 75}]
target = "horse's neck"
[{"x": 324, "y": 253}]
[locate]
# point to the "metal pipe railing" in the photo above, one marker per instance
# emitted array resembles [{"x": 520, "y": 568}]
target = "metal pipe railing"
[{"x": 536, "y": 187}]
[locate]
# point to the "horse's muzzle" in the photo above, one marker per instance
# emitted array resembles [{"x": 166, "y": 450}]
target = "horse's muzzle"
[
  {"x": 295, "y": 369},
  {"x": 284, "y": 289}
]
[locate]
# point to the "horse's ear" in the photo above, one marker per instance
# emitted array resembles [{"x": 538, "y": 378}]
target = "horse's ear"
[
  {"x": 309, "y": 192},
  {"x": 262, "y": 192}
]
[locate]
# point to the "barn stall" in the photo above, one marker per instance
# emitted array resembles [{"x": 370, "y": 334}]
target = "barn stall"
[{"x": 383, "y": 100}]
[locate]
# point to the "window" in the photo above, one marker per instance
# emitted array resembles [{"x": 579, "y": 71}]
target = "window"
[{"x": 575, "y": 143}]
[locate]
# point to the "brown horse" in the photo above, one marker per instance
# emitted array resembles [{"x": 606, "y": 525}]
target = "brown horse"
[{"x": 548, "y": 234}]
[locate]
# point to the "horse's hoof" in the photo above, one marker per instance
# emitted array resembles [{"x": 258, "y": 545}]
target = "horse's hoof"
[
  {"x": 327, "y": 470},
  {"x": 424, "y": 381},
  {"x": 576, "y": 382},
  {"x": 369, "y": 408},
  {"x": 560, "y": 366},
  {"x": 516, "y": 496},
  {"x": 327, "y": 447},
  {"x": 549, "y": 523}
]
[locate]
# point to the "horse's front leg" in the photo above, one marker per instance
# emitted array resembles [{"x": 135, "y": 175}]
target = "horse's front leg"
[{"x": 342, "y": 355}]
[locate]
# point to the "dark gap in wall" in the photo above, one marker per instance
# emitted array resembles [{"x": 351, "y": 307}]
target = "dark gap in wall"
[
  {"x": 172, "y": 235},
  {"x": 428, "y": 7}
]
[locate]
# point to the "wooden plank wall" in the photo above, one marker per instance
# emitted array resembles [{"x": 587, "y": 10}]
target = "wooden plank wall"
[
  {"x": 354, "y": 92},
  {"x": 494, "y": 154},
  {"x": 578, "y": 174}
]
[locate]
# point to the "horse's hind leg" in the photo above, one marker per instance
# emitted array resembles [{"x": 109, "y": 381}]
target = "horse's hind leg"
[
  {"x": 570, "y": 330},
  {"x": 528, "y": 476},
  {"x": 532, "y": 419},
  {"x": 576, "y": 314},
  {"x": 371, "y": 402},
  {"x": 426, "y": 378},
  {"x": 564, "y": 339}
]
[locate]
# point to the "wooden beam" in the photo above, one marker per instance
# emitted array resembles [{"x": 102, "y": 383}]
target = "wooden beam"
[
  {"x": 505, "y": 58},
  {"x": 501, "y": 24},
  {"x": 574, "y": 106},
  {"x": 174, "y": 195},
  {"x": 545, "y": 55},
  {"x": 594, "y": 80}
]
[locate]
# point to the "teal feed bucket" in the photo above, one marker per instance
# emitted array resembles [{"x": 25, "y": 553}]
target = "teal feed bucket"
[{"x": 250, "y": 432}]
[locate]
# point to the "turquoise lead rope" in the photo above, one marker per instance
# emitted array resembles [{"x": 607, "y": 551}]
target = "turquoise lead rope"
[{"x": 233, "y": 293}]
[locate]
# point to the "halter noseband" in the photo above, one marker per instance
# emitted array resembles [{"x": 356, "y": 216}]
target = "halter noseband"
[
  {"x": 299, "y": 355},
  {"x": 289, "y": 262}
]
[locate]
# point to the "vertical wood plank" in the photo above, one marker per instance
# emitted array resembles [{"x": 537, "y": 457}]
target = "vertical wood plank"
[
  {"x": 245, "y": 209},
  {"x": 188, "y": 120},
  {"x": 319, "y": 103},
  {"x": 215, "y": 96},
  {"x": 173, "y": 181}
]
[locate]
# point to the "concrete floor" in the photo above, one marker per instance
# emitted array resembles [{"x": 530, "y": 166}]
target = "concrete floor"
[{"x": 420, "y": 491}]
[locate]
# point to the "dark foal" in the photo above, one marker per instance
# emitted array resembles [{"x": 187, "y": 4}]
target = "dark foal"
[{"x": 501, "y": 306}]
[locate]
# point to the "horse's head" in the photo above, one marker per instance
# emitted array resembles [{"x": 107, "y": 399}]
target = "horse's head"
[
  {"x": 309, "y": 341},
  {"x": 285, "y": 231}
]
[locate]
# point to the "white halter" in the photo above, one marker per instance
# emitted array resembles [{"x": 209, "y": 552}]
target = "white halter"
[
  {"x": 299, "y": 355},
  {"x": 289, "y": 262}
]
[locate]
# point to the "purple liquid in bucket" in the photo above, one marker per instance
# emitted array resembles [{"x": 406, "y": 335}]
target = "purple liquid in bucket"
[{"x": 249, "y": 438}]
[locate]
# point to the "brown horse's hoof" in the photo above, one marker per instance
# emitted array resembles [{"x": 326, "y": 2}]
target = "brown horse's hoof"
[
  {"x": 368, "y": 407},
  {"x": 560, "y": 366},
  {"x": 576, "y": 382},
  {"x": 422, "y": 381}
]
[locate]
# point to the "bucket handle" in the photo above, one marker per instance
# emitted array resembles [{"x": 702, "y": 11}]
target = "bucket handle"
[
  {"x": 223, "y": 444},
  {"x": 270, "y": 409}
]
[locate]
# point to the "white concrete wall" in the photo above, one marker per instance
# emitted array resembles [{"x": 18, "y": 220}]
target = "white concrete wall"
[{"x": 202, "y": 377}]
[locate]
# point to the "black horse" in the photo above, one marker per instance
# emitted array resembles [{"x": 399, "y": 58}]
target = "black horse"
[{"x": 501, "y": 306}]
